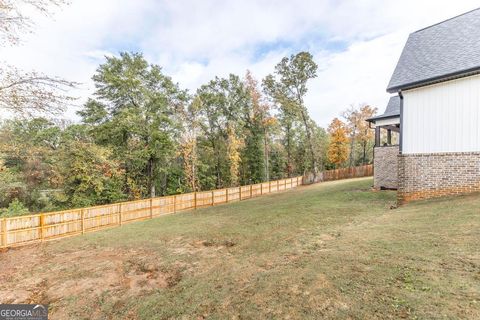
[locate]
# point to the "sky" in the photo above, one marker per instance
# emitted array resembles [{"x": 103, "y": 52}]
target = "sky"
[{"x": 356, "y": 43}]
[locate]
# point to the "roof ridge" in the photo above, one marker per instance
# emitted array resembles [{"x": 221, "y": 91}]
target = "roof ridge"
[{"x": 457, "y": 16}]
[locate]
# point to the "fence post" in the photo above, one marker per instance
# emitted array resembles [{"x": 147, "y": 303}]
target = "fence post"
[
  {"x": 269, "y": 186},
  {"x": 213, "y": 198},
  {"x": 285, "y": 184},
  {"x": 278, "y": 185},
  {"x": 41, "y": 226},
  {"x": 195, "y": 199},
  {"x": 120, "y": 214},
  {"x": 151, "y": 208},
  {"x": 226, "y": 190},
  {"x": 82, "y": 216},
  {"x": 174, "y": 204},
  {"x": 261, "y": 188},
  {"x": 240, "y": 192},
  {"x": 251, "y": 193},
  {"x": 4, "y": 234}
]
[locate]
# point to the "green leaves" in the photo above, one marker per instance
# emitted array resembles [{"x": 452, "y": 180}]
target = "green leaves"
[
  {"x": 90, "y": 175},
  {"x": 287, "y": 88},
  {"x": 15, "y": 208},
  {"x": 137, "y": 113},
  {"x": 141, "y": 135}
]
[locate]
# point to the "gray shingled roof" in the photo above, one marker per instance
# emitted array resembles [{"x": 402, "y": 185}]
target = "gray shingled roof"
[
  {"x": 445, "y": 50},
  {"x": 392, "y": 110}
]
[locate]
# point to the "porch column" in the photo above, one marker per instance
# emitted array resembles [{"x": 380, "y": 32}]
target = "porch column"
[{"x": 377, "y": 136}]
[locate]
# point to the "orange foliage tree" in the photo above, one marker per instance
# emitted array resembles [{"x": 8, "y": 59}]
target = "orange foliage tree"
[{"x": 338, "y": 146}]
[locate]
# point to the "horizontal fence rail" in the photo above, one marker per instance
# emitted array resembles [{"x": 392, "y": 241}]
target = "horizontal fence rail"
[{"x": 24, "y": 230}]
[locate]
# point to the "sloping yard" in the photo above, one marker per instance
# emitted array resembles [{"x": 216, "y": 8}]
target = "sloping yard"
[{"x": 332, "y": 250}]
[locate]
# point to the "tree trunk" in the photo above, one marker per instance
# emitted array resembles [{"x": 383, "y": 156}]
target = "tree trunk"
[
  {"x": 151, "y": 171},
  {"x": 265, "y": 156},
  {"x": 364, "y": 152},
  {"x": 217, "y": 163},
  {"x": 352, "y": 146},
  {"x": 289, "y": 153},
  {"x": 194, "y": 168},
  {"x": 310, "y": 145}
]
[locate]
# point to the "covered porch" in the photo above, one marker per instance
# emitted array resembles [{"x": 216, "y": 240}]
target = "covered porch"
[{"x": 386, "y": 150}]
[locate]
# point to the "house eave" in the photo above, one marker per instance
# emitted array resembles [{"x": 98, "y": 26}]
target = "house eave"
[
  {"x": 383, "y": 117},
  {"x": 434, "y": 80}
]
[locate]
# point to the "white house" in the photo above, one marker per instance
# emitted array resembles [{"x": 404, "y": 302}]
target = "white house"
[{"x": 438, "y": 81}]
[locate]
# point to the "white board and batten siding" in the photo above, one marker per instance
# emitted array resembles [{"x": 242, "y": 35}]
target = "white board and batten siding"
[{"x": 444, "y": 117}]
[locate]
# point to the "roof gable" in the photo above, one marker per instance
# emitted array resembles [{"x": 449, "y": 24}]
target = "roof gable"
[
  {"x": 439, "y": 52},
  {"x": 392, "y": 109}
]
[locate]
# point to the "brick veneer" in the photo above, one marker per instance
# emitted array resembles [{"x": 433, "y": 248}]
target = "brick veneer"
[
  {"x": 423, "y": 176},
  {"x": 385, "y": 163}
]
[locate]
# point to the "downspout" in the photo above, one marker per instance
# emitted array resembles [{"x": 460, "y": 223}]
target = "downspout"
[
  {"x": 401, "y": 121},
  {"x": 374, "y": 147}
]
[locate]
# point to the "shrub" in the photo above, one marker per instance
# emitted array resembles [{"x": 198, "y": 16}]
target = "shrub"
[{"x": 15, "y": 208}]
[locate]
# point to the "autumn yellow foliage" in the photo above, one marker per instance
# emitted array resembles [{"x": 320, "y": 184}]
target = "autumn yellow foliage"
[{"x": 338, "y": 146}]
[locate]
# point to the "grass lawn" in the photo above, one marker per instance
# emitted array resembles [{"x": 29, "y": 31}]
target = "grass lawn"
[{"x": 334, "y": 250}]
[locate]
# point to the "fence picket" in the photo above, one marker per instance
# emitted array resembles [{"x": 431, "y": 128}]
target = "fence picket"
[
  {"x": 42, "y": 218},
  {"x": 4, "y": 234},
  {"x": 82, "y": 221},
  {"x": 120, "y": 214}
]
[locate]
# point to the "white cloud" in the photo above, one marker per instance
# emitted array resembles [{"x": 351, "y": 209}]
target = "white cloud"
[
  {"x": 195, "y": 40},
  {"x": 358, "y": 75}
]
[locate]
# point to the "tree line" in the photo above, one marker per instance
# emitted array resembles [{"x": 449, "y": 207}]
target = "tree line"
[{"x": 142, "y": 135}]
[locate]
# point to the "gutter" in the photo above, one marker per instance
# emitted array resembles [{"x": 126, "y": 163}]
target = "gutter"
[
  {"x": 400, "y": 147},
  {"x": 434, "y": 80},
  {"x": 382, "y": 117}
]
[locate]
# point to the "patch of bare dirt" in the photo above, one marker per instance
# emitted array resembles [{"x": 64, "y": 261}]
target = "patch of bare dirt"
[
  {"x": 32, "y": 275},
  {"x": 203, "y": 247}
]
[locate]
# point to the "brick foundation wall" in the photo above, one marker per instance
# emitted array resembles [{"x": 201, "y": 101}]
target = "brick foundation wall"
[
  {"x": 385, "y": 163},
  {"x": 423, "y": 176}
]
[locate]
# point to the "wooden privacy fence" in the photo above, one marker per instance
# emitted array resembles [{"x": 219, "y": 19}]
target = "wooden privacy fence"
[
  {"x": 338, "y": 174},
  {"x": 23, "y": 230},
  {"x": 346, "y": 173}
]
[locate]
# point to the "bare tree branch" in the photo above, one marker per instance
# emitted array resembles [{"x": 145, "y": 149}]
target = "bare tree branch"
[
  {"x": 13, "y": 20},
  {"x": 30, "y": 93}
]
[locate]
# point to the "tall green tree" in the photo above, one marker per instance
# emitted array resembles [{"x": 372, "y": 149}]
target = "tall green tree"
[
  {"x": 136, "y": 111},
  {"x": 288, "y": 87},
  {"x": 220, "y": 104},
  {"x": 256, "y": 116}
]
